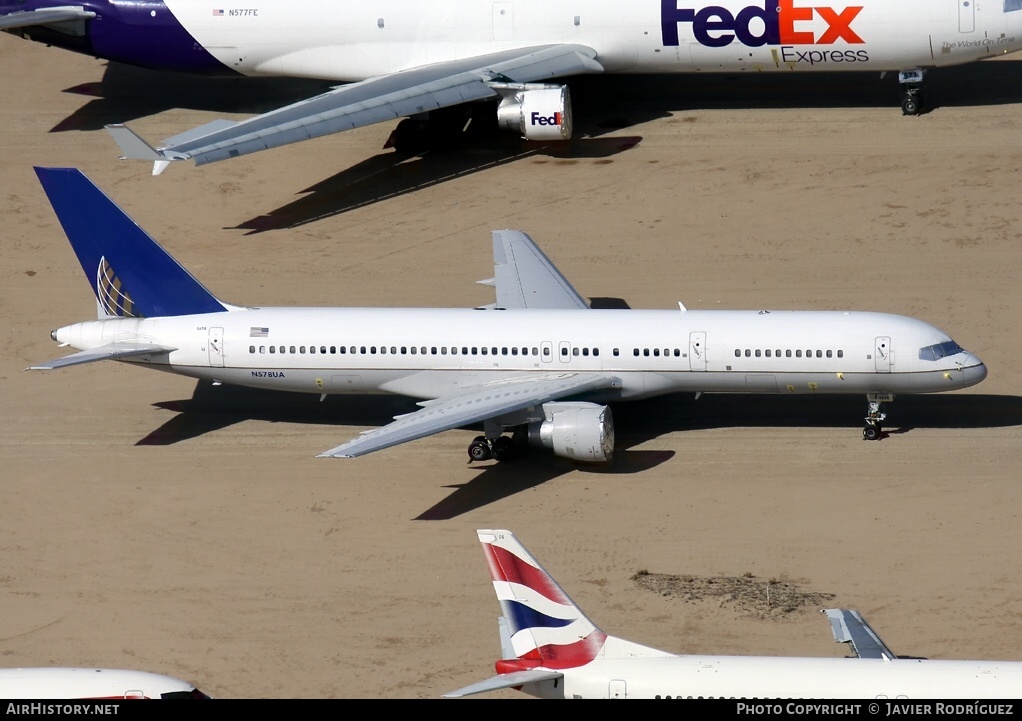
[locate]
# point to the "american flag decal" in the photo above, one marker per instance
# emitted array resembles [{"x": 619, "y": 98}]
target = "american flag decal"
[
  {"x": 258, "y": 332},
  {"x": 218, "y": 13}
]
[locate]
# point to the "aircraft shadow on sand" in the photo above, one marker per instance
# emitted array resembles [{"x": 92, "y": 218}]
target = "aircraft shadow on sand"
[
  {"x": 602, "y": 105},
  {"x": 213, "y": 408}
]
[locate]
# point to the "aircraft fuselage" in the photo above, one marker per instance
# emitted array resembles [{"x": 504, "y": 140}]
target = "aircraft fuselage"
[
  {"x": 353, "y": 41},
  {"x": 426, "y": 353}
]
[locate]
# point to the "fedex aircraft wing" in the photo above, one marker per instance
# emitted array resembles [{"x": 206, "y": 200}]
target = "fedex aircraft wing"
[
  {"x": 537, "y": 368},
  {"x": 550, "y": 649},
  {"x": 415, "y": 59}
]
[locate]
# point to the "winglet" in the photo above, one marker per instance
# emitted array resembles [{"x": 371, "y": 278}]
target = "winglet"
[
  {"x": 134, "y": 147},
  {"x": 851, "y": 628}
]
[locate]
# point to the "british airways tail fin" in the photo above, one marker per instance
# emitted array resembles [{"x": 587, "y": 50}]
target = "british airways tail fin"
[
  {"x": 543, "y": 632},
  {"x": 131, "y": 275}
]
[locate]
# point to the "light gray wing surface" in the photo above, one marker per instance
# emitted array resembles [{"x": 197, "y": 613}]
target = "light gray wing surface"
[
  {"x": 506, "y": 680},
  {"x": 111, "y": 351},
  {"x": 375, "y": 100},
  {"x": 524, "y": 277},
  {"x": 48, "y": 16},
  {"x": 473, "y": 405},
  {"x": 849, "y": 627}
]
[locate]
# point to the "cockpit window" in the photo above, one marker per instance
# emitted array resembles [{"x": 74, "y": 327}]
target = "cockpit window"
[
  {"x": 1012, "y": 5},
  {"x": 940, "y": 350}
]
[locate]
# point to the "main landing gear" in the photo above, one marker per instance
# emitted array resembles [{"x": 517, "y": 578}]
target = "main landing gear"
[
  {"x": 501, "y": 448},
  {"x": 874, "y": 417},
  {"x": 911, "y": 91}
]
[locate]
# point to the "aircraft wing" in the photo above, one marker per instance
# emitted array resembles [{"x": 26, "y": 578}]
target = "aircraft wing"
[
  {"x": 472, "y": 405},
  {"x": 525, "y": 278},
  {"x": 44, "y": 16},
  {"x": 377, "y": 99},
  {"x": 505, "y": 680},
  {"x": 111, "y": 351},
  {"x": 849, "y": 627}
]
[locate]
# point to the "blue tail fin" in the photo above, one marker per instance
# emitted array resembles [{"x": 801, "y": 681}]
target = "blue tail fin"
[{"x": 130, "y": 273}]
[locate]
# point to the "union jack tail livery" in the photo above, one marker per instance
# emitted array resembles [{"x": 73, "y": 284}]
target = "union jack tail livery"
[{"x": 542, "y": 631}]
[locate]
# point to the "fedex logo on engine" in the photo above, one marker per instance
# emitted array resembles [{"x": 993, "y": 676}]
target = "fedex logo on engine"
[
  {"x": 776, "y": 22},
  {"x": 540, "y": 119}
]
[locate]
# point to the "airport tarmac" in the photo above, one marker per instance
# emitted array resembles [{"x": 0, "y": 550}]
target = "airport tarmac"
[{"x": 192, "y": 532}]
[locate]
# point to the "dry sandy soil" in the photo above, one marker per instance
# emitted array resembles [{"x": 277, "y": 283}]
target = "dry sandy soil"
[{"x": 149, "y": 524}]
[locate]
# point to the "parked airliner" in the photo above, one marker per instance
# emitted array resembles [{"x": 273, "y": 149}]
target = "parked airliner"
[
  {"x": 550, "y": 649},
  {"x": 93, "y": 684},
  {"x": 413, "y": 59},
  {"x": 539, "y": 362}
]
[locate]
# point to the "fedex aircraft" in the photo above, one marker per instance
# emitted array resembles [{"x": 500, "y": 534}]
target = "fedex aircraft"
[
  {"x": 418, "y": 59},
  {"x": 540, "y": 362},
  {"x": 550, "y": 649},
  {"x": 93, "y": 684}
]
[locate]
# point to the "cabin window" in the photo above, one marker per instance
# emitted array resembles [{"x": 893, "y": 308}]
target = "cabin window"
[
  {"x": 292, "y": 349},
  {"x": 616, "y": 352},
  {"x": 493, "y": 350},
  {"x": 787, "y": 354},
  {"x": 273, "y": 349},
  {"x": 748, "y": 353},
  {"x": 312, "y": 349},
  {"x": 413, "y": 350},
  {"x": 798, "y": 354},
  {"x": 251, "y": 349},
  {"x": 464, "y": 350},
  {"x": 840, "y": 354},
  {"x": 564, "y": 351},
  {"x": 503, "y": 350},
  {"x": 262, "y": 349},
  {"x": 830, "y": 354},
  {"x": 645, "y": 352},
  {"x": 738, "y": 353},
  {"x": 585, "y": 351},
  {"x": 758, "y": 353},
  {"x": 819, "y": 354},
  {"x": 767, "y": 352},
  {"x": 432, "y": 350},
  {"x": 575, "y": 351},
  {"x": 596, "y": 351},
  {"x": 483, "y": 350},
  {"x": 535, "y": 351},
  {"x": 546, "y": 351}
]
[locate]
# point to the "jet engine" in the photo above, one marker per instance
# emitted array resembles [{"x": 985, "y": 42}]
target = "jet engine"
[
  {"x": 580, "y": 431},
  {"x": 537, "y": 112}
]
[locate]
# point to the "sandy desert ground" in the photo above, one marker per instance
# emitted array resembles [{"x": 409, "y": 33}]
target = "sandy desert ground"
[{"x": 151, "y": 524}]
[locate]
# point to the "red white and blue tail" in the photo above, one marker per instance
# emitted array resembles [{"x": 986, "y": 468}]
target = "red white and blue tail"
[
  {"x": 546, "y": 628},
  {"x": 544, "y": 635}
]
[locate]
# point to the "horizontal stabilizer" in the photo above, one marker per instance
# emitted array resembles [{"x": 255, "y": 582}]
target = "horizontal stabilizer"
[
  {"x": 111, "y": 351},
  {"x": 506, "y": 680},
  {"x": 849, "y": 627},
  {"x": 44, "y": 16},
  {"x": 132, "y": 146}
]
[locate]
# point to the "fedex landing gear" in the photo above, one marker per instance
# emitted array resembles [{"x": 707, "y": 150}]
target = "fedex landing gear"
[
  {"x": 501, "y": 448},
  {"x": 874, "y": 417},
  {"x": 911, "y": 91}
]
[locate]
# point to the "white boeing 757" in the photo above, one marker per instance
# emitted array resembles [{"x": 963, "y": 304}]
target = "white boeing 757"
[
  {"x": 96, "y": 684},
  {"x": 539, "y": 362},
  {"x": 550, "y": 649},
  {"x": 414, "y": 59}
]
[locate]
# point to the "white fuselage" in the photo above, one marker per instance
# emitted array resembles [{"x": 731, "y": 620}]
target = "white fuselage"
[
  {"x": 426, "y": 353},
  {"x": 88, "y": 683},
  {"x": 349, "y": 41},
  {"x": 756, "y": 679}
]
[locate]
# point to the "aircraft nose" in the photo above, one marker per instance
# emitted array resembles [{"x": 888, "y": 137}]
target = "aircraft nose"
[{"x": 973, "y": 369}]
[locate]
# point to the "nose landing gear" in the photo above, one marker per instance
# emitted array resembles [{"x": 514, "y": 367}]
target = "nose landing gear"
[
  {"x": 874, "y": 417},
  {"x": 911, "y": 91}
]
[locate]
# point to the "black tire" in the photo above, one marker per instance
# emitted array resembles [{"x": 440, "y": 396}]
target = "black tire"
[
  {"x": 910, "y": 106},
  {"x": 409, "y": 137},
  {"x": 503, "y": 449},
  {"x": 479, "y": 451},
  {"x": 870, "y": 433}
]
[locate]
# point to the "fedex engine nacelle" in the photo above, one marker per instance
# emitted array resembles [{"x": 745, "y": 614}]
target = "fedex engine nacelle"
[
  {"x": 536, "y": 112},
  {"x": 580, "y": 431}
]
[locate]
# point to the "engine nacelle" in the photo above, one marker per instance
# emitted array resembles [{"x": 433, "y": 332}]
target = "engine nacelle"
[
  {"x": 537, "y": 112},
  {"x": 580, "y": 431}
]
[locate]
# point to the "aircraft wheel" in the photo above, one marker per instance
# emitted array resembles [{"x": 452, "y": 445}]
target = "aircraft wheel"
[
  {"x": 910, "y": 106},
  {"x": 870, "y": 433},
  {"x": 503, "y": 449},
  {"x": 479, "y": 450},
  {"x": 409, "y": 137}
]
